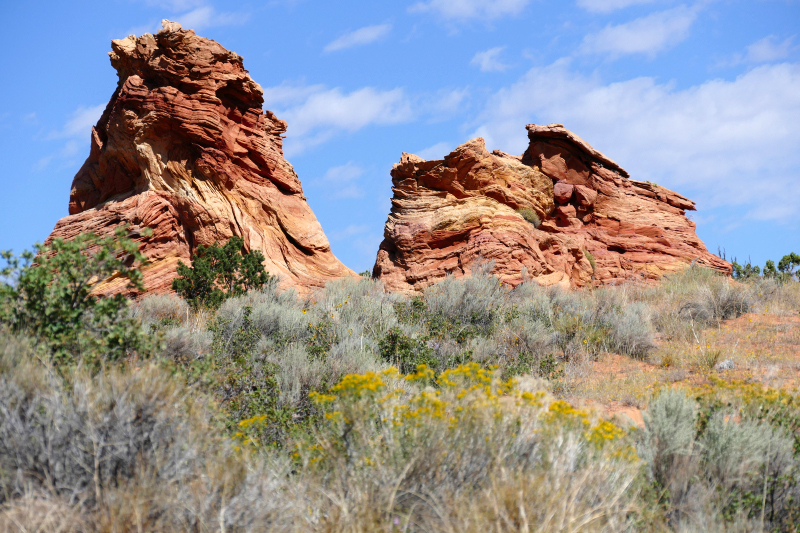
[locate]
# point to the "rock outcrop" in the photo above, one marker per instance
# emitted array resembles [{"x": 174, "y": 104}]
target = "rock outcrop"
[
  {"x": 562, "y": 213},
  {"x": 184, "y": 148}
]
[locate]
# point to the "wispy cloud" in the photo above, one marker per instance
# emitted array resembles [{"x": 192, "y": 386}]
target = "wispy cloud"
[
  {"x": 470, "y": 9},
  {"x": 489, "y": 60},
  {"x": 316, "y": 113},
  {"x": 349, "y": 231},
  {"x": 208, "y": 17},
  {"x": 647, "y": 35},
  {"x": 710, "y": 141},
  {"x": 196, "y": 15},
  {"x": 766, "y": 50},
  {"x": 176, "y": 5},
  {"x": 607, "y": 6},
  {"x": 769, "y": 49},
  {"x": 443, "y": 104},
  {"x": 79, "y": 123},
  {"x": 437, "y": 151},
  {"x": 359, "y": 37},
  {"x": 342, "y": 181},
  {"x": 74, "y": 135}
]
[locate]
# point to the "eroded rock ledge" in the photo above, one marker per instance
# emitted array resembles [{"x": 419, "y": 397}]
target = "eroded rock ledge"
[
  {"x": 448, "y": 213},
  {"x": 184, "y": 148}
]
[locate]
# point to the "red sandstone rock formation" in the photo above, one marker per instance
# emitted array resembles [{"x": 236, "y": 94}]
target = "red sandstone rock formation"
[
  {"x": 474, "y": 204},
  {"x": 184, "y": 148}
]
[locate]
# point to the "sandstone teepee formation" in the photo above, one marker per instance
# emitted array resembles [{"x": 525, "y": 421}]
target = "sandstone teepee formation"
[{"x": 184, "y": 148}]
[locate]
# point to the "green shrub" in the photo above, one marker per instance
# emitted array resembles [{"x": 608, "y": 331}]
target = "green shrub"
[
  {"x": 530, "y": 215},
  {"x": 406, "y": 353},
  {"x": 590, "y": 258},
  {"x": 788, "y": 263},
  {"x": 784, "y": 271},
  {"x": 745, "y": 271},
  {"x": 769, "y": 269},
  {"x": 219, "y": 272},
  {"x": 50, "y": 295}
]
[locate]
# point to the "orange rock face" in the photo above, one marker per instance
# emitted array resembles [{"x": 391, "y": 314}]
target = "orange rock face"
[
  {"x": 184, "y": 148},
  {"x": 547, "y": 215}
]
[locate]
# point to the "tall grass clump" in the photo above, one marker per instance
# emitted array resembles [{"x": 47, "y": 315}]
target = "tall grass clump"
[
  {"x": 695, "y": 298},
  {"x": 159, "y": 310},
  {"x": 717, "y": 463},
  {"x": 121, "y": 450}
]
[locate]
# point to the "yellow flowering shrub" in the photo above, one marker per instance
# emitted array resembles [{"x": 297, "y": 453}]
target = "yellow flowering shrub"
[
  {"x": 385, "y": 415},
  {"x": 778, "y": 407}
]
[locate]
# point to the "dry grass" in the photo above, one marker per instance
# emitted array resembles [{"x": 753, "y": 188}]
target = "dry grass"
[
  {"x": 145, "y": 446},
  {"x": 761, "y": 345}
]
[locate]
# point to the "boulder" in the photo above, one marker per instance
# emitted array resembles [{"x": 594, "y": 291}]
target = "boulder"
[
  {"x": 475, "y": 204},
  {"x": 184, "y": 148}
]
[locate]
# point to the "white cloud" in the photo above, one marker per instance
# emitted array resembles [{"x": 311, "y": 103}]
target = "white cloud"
[
  {"x": 349, "y": 231},
  {"x": 488, "y": 60},
  {"x": 289, "y": 94},
  {"x": 75, "y": 134},
  {"x": 766, "y": 50},
  {"x": 769, "y": 49},
  {"x": 201, "y": 17},
  {"x": 361, "y": 36},
  {"x": 607, "y": 6},
  {"x": 645, "y": 35},
  {"x": 471, "y": 9},
  {"x": 208, "y": 17},
  {"x": 367, "y": 247},
  {"x": 176, "y": 5},
  {"x": 437, "y": 151},
  {"x": 315, "y": 113},
  {"x": 723, "y": 143},
  {"x": 79, "y": 123},
  {"x": 342, "y": 181},
  {"x": 43, "y": 162},
  {"x": 443, "y": 104}
]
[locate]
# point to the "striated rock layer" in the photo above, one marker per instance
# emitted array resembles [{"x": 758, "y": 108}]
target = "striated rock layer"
[
  {"x": 184, "y": 148},
  {"x": 563, "y": 213}
]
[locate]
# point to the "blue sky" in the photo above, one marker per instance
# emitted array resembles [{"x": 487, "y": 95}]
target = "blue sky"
[{"x": 702, "y": 97}]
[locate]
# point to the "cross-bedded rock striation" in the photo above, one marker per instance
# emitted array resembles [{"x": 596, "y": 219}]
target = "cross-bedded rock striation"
[
  {"x": 562, "y": 213},
  {"x": 184, "y": 148}
]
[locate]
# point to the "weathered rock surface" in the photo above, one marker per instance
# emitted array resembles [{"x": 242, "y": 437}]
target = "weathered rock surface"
[
  {"x": 184, "y": 148},
  {"x": 470, "y": 205}
]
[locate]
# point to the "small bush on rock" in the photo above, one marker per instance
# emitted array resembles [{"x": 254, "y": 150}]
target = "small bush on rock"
[{"x": 219, "y": 272}]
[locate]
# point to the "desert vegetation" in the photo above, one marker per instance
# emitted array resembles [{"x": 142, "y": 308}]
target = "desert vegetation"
[{"x": 470, "y": 407}]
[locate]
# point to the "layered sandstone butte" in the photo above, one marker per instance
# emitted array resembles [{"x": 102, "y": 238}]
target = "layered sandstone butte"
[
  {"x": 184, "y": 148},
  {"x": 473, "y": 204}
]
